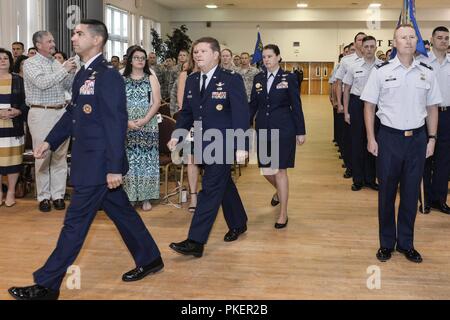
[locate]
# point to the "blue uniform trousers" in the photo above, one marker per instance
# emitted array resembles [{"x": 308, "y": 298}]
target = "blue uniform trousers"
[
  {"x": 400, "y": 160},
  {"x": 437, "y": 169},
  {"x": 81, "y": 212},
  {"x": 218, "y": 189},
  {"x": 363, "y": 163}
]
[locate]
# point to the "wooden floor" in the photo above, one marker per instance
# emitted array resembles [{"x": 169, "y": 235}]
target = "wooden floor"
[{"x": 324, "y": 253}]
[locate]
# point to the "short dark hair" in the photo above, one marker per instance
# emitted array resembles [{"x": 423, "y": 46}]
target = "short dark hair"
[
  {"x": 32, "y": 48},
  {"x": 115, "y": 57},
  {"x": 19, "y": 60},
  {"x": 347, "y": 47},
  {"x": 61, "y": 53},
  {"x": 245, "y": 53},
  {"x": 426, "y": 42},
  {"x": 441, "y": 29},
  {"x": 213, "y": 43},
  {"x": 10, "y": 58},
  {"x": 359, "y": 34},
  {"x": 340, "y": 57},
  {"x": 129, "y": 67},
  {"x": 273, "y": 47},
  {"x": 183, "y": 50},
  {"x": 20, "y": 44},
  {"x": 351, "y": 45},
  {"x": 369, "y": 38},
  {"x": 97, "y": 27}
]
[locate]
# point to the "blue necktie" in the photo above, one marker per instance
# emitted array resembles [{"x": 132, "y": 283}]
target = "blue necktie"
[{"x": 203, "y": 89}]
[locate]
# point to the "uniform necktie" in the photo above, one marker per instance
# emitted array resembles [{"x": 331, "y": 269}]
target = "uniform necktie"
[{"x": 203, "y": 89}]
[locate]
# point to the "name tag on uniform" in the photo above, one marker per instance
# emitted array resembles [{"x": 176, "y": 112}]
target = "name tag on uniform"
[
  {"x": 283, "y": 85},
  {"x": 359, "y": 74},
  {"x": 88, "y": 88},
  {"x": 390, "y": 79},
  {"x": 219, "y": 95}
]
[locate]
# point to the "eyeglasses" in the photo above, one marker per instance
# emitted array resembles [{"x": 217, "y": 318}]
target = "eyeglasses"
[{"x": 139, "y": 58}]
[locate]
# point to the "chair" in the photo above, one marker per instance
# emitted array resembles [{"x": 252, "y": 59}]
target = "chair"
[
  {"x": 164, "y": 109},
  {"x": 176, "y": 115},
  {"x": 166, "y": 128}
]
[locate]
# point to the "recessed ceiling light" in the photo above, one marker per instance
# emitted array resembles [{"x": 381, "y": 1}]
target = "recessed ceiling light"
[
  {"x": 302, "y": 5},
  {"x": 211, "y": 6},
  {"x": 375, "y": 5}
]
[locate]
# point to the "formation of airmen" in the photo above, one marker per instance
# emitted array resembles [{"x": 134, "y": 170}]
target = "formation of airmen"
[{"x": 408, "y": 141}]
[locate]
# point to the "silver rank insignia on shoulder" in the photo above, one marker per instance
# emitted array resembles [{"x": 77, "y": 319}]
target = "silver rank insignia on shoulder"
[{"x": 422, "y": 76}]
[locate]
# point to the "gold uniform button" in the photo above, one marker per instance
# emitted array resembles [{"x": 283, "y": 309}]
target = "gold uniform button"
[
  {"x": 87, "y": 108},
  {"x": 219, "y": 107}
]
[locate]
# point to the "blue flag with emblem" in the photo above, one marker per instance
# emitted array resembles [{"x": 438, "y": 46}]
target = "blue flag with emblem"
[
  {"x": 257, "y": 55},
  {"x": 408, "y": 16}
]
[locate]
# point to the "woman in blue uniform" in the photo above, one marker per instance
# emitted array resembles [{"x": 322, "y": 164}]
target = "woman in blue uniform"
[{"x": 275, "y": 101}]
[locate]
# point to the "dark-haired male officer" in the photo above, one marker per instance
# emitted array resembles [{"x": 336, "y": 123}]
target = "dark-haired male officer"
[{"x": 97, "y": 121}]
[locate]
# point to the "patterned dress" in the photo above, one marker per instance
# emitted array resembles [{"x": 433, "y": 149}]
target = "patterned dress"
[
  {"x": 142, "y": 181},
  {"x": 11, "y": 132}
]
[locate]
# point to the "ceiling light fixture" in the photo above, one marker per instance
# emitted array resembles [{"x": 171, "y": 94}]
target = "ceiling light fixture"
[
  {"x": 375, "y": 5},
  {"x": 302, "y": 5},
  {"x": 211, "y": 6}
]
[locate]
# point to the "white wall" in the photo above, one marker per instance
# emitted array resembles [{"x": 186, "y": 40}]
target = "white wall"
[{"x": 319, "y": 41}]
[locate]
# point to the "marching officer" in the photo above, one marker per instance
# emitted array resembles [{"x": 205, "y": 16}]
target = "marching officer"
[
  {"x": 214, "y": 98},
  {"x": 355, "y": 79},
  {"x": 97, "y": 121},
  {"x": 407, "y": 94},
  {"x": 437, "y": 169},
  {"x": 275, "y": 100}
]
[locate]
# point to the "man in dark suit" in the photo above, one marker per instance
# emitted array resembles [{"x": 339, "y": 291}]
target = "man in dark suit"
[
  {"x": 97, "y": 121},
  {"x": 214, "y": 99}
]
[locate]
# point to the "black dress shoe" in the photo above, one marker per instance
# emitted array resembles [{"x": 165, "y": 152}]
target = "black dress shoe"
[
  {"x": 59, "y": 204},
  {"x": 384, "y": 254},
  {"x": 373, "y": 186},
  {"x": 141, "y": 272},
  {"x": 348, "y": 174},
  {"x": 45, "y": 206},
  {"x": 274, "y": 202},
  {"x": 427, "y": 209},
  {"x": 35, "y": 292},
  {"x": 442, "y": 207},
  {"x": 357, "y": 186},
  {"x": 411, "y": 254},
  {"x": 188, "y": 248},
  {"x": 234, "y": 234},
  {"x": 281, "y": 225}
]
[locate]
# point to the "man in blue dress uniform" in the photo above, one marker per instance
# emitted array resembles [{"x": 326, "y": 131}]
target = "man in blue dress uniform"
[
  {"x": 407, "y": 94},
  {"x": 214, "y": 98},
  {"x": 97, "y": 121}
]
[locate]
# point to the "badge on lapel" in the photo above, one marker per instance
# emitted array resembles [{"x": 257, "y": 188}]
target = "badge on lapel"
[
  {"x": 93, "y": 75},
  {"x": 219, "y": 107},
  {"x": 87, "y": 109},
  {"x": 220, "y": 86}
]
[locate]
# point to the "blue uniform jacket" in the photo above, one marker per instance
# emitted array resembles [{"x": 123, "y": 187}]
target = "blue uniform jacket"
[
  {"x": 281, "y": 108},
  {"x": 224, "y": 104},
  {"x": 97, "y": 120}
]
